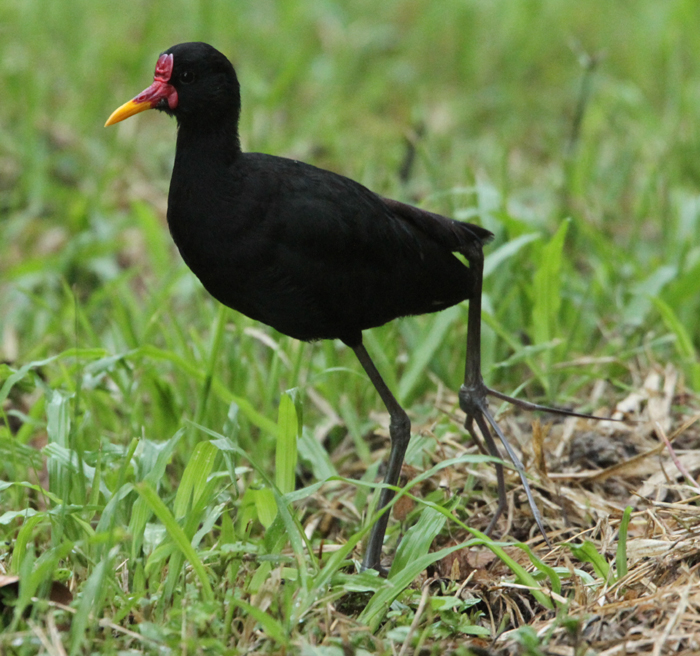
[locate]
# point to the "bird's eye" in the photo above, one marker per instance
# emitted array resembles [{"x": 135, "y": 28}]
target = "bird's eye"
[{"x": 187, "y": 77}]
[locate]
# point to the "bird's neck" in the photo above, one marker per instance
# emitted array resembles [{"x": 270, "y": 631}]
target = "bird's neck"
[{"x": 216, "y": 143}]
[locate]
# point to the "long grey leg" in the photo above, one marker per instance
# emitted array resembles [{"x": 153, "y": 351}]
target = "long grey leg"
[
  {"x": 400, "y": 432},
  {"x": 472, "y": 397}
]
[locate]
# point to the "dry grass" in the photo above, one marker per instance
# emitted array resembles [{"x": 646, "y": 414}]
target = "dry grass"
[
  {"x": 592, "y": 472},
  {"x": 584, "y": 474}
]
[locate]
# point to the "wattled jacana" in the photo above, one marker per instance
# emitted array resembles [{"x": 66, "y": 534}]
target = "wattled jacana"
[{"x": 311, "y": 253}]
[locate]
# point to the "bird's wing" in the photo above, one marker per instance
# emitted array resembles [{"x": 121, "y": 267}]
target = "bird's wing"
[
  {"x": 333, "y": 214},
  {"x": 326, "y": 217},
  {"x": 455, "y": 235}
]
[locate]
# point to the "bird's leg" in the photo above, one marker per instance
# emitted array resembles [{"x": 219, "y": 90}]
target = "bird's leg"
[
  {"x": 400, "y": 432},
  {"x": 472, "y": 395},
  {"x": 473, "y": 401}
]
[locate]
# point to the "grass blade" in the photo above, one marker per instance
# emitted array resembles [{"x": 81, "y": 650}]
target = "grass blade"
[
  {"x": 621, "y": 553},
  {"x": 194, "y": 478},
  {"x": 177, "y": 535},
  {"x": 286, "y": 447},
  {"x": 546, "y": 294},
  {"x": 421, "y": 357},
  {"x": 269, "y": 624},
  {"x": 684, "y": 342}
]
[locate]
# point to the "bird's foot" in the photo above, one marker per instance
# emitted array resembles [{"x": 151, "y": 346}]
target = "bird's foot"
[
  {"x": 472, "y": 397},
  {"x": 473, "y": 400}
]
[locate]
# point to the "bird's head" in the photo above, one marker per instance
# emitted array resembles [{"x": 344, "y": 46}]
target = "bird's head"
[{"x": 192, "y": 81}]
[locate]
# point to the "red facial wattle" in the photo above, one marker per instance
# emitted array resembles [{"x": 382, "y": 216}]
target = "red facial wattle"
[{"x": 149, "y": 98}]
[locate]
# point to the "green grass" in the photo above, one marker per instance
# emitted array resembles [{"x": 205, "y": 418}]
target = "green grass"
[{"x": 144, "y": 428}]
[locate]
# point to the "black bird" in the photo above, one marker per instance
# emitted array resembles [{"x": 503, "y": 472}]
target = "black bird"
[{"x": 309, "y": 252}]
